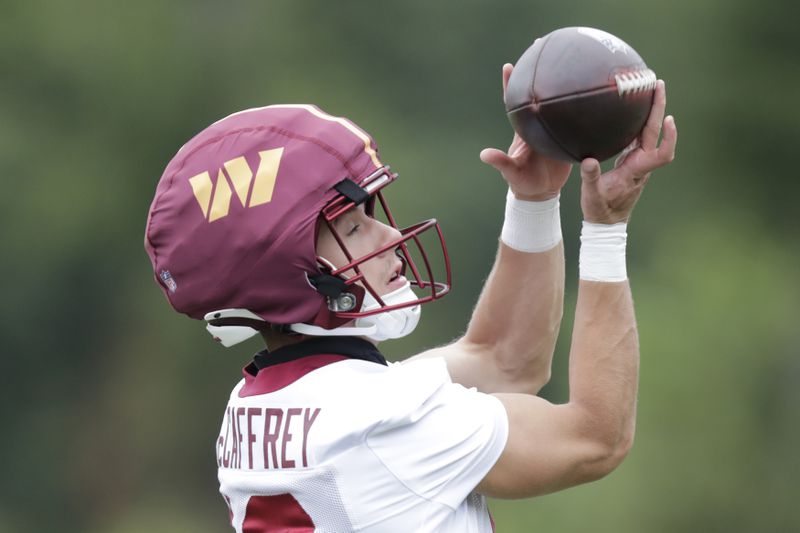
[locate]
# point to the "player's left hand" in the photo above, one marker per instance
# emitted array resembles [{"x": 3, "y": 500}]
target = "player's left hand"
[
  {"x": 609, "y": 197},
  {"x": 530, "y": 175}
]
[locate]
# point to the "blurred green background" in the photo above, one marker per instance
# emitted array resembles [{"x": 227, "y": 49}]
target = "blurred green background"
[{"x": 111, "y": 402}]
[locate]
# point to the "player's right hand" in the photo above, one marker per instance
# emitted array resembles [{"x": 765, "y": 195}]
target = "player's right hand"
[
  {"x": 610, "y": 197},
  {"x": 530, "y": 175}
]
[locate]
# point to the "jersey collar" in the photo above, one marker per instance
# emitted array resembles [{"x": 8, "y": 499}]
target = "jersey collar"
[
  {"x": 287, "y": 364},
  {"x": 350, "y": 347}
]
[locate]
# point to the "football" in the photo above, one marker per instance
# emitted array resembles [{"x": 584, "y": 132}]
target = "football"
[{"x": 579, "y": 92}]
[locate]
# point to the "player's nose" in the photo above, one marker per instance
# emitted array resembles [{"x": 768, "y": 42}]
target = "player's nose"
[{"x": 388, "y": 234}]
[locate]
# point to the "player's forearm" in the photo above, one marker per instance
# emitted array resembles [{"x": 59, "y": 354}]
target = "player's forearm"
[
  {"x": 604, "y": 364},
  {"x": 517, "y": 318}
]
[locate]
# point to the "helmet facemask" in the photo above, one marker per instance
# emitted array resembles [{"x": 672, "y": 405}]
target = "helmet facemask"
[{"x": 350, "y": 295}]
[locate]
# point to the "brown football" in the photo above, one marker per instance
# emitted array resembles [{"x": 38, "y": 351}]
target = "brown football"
[{"x": 579, "y": 92}]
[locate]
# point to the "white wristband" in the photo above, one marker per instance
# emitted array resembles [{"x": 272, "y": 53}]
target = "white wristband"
[
  {"x": 531, "y": 226},
  {"x": 602, "y": 255}
]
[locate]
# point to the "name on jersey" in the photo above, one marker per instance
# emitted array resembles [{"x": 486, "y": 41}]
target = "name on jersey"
[{"x": 265, "y": 438}]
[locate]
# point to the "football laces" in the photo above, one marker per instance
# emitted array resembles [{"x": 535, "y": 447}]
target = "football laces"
[{"x": 636, "y": 81}]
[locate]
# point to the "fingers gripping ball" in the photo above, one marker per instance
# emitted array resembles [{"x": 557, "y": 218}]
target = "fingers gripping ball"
[{"x": 579, "y": 92}]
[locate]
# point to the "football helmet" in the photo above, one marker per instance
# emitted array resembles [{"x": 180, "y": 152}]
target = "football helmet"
[{"x": 231, "y": 232}]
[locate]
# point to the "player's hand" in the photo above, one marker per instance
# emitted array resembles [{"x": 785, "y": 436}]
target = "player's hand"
[
  {"x": 609, "y": 198},
  {"x": 530, "y": 175}
]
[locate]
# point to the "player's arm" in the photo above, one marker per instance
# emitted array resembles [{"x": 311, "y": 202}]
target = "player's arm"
[
  {"x": 509, "y": 343},
  {"x": 551, "y": 447}
]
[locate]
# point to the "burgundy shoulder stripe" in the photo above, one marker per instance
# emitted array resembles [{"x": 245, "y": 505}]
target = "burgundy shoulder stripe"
[
  {"x": 276, "y": 377},
  {"x": 281, "y": 514}
]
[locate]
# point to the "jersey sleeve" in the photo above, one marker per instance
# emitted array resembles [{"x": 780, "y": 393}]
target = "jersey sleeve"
[{"x": 439, "y": 444}]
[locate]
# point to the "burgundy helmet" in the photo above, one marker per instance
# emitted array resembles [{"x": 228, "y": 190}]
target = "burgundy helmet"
[{"x": 232, "y": 229}]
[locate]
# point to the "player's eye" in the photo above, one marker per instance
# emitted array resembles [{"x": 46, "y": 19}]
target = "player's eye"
[{"x": 353, "y": 230}]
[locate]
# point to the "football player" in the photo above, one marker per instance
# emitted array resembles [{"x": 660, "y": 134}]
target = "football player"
[{"x": 274, "y": 221}]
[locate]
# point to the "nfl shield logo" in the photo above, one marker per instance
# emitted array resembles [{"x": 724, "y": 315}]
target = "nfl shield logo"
[{"x": 166, "y": 277}]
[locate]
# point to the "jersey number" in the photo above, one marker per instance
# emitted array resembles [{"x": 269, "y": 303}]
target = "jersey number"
[{"x": 282, "y": 513}]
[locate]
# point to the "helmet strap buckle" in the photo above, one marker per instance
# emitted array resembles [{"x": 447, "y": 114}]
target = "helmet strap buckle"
[{"x": 343, "y": 303}]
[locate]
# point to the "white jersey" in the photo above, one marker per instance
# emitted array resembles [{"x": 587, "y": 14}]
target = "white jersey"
[{"x": 329, "y": 443}]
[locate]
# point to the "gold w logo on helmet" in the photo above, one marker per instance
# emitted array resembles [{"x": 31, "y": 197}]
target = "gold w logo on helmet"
[{"x": 251, "y": 189}]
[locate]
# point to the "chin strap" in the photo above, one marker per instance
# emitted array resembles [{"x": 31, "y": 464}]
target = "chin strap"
[
  {"x": 316, "y": 331},
  {"x": 231, "y": 334},
  {"x": 380, "y": 326},
  {"x": 377, "y": 327},
  {"x": 391, "y": 324}
]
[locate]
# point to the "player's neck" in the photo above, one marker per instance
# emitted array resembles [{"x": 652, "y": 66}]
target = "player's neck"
[{"x": 275, "y": 340}]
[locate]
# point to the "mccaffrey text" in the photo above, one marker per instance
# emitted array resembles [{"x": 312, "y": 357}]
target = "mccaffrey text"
[{"x": 265, "y": 438}]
